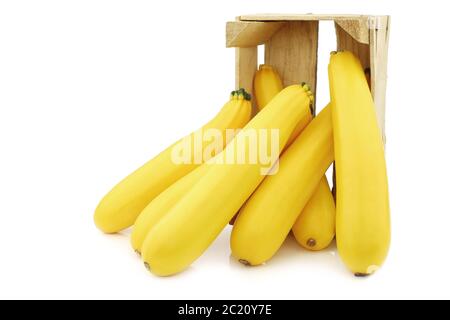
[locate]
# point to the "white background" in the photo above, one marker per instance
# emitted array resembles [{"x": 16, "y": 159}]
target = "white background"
[{"x": 90, "y": 90}]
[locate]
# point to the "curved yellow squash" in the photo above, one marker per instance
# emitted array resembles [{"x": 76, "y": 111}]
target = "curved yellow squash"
[
  {"x": 267, "y": 217},
  {"x": 159, "y": 207},
  {"x": 119, "y": 209},
  {"x": 315, "y": 228},
  {"x": 190, "y": 226},
  {"x": 266, "y": 84},
  {"x": 156, "y": 209},
  {"x": 362, "y": 208}
]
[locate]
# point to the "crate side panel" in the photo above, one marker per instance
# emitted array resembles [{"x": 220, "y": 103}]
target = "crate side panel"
[
  {"x": 250, "y": 34},
  {"x": 357, "y": 29},
  {"x": 300, "y": 17},
  {"x": 346, "y": 42},
  {"x": 246, "y": 66},
  {"x": 379, "y": 43},
  {"x": 292, "y": 51}
]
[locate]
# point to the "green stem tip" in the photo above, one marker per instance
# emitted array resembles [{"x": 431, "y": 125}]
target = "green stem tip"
[{"x": 241, "y": 92}]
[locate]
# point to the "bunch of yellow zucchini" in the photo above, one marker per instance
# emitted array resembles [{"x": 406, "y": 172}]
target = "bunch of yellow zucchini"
[{"x": 178, "y": 209}]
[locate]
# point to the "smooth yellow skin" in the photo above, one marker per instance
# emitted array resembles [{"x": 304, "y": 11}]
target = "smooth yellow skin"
[
  {"x": 159, "y": 207},
  {"x": 362, "y": 208},
  {"x": 267, "y": 217},
  {"x": 190, "y": 227},
  {"x": 156, "y": 209},
  {"x": 315, "y": 228},
  {"x": 266, "y": 84},
  {"x": 119, "y": 209}
]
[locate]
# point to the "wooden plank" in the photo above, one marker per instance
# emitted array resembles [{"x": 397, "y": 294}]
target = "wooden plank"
[
  {"x": 300, "y": 17},
  {"x": 250, "y": 34},
  {"x": 292, "y": 51},
  {"x": 355, "y": 25},
  {"x": 357, "y": 29},
  {"x": 346, "y": 42},
  {"x": 246, "y": 66},
  {"x": 379, "y": 43}
]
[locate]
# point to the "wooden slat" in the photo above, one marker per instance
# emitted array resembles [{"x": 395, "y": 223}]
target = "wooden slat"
[
  {"x": 355, "y": 25},
  {"x": 250, "y": 34},
  {"x": 293, "y": 53},
  {"x": 246, "y": 66},
  {"x": 300, "y": 17},
  {"x": 346, "y": 42},
  {"x": 357, "y": 29},
  {"x": 379, "y": 43}
]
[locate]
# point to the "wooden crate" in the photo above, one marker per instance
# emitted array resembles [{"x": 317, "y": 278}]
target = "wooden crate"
[{"x": 291, "y": 44}]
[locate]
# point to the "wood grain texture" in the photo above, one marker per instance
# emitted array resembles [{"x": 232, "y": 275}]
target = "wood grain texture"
[
  {"x": 291, "y": 43},
  {"x": 292, "y": 51},
  {"x": 299, "y": 17},
  {"x": 346, "y": 42},
  {"x": 379, "y": 43},
  {"x": 246, "y": 66},
  {"x": 357, "y": 29},
  {"x": 250, "y": 34},
  {"x": 355, "y": 25}
]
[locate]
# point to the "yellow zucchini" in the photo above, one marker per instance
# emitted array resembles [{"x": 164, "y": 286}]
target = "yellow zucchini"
[{"x": 362, "y": 208}]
